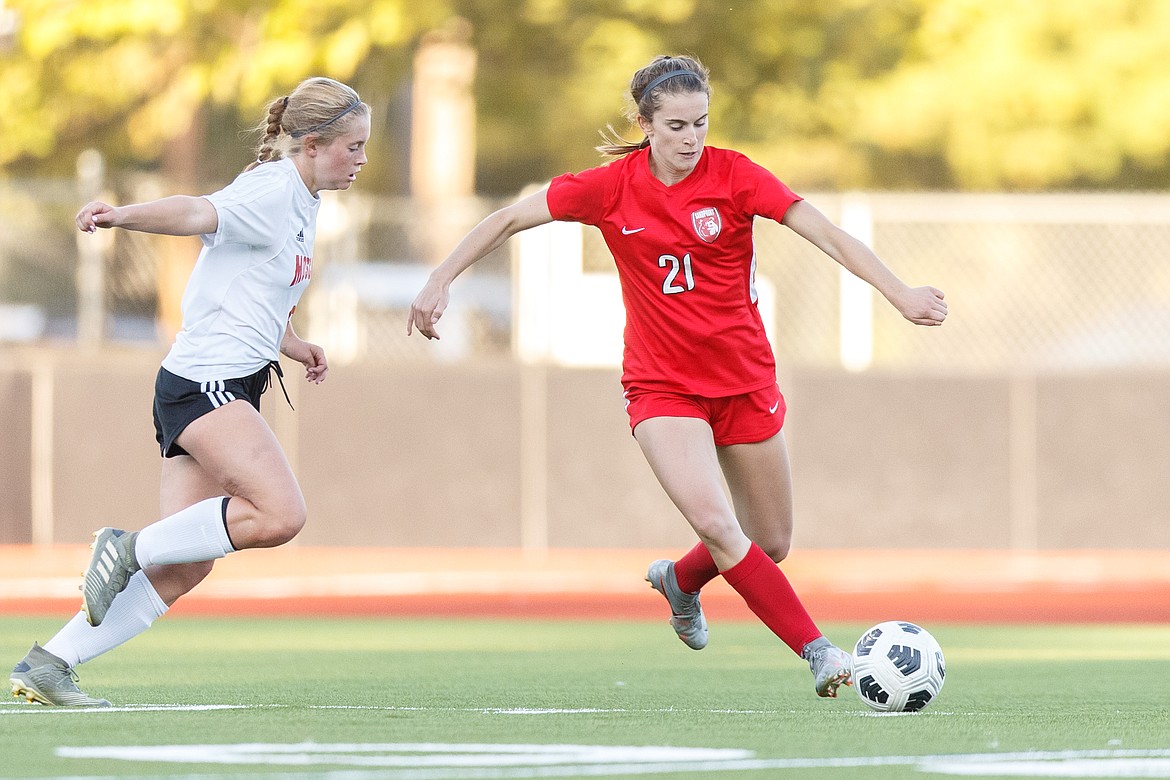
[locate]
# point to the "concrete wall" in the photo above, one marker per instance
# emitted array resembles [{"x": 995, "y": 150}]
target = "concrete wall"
[
  {"x": 15, "y": 456},
  {"x": 498, "y": 454}
]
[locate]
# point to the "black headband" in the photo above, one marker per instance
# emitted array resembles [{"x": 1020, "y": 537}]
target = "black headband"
[
  {"x": 323, "y": 125},
  {"x": 665, "y": 76}
]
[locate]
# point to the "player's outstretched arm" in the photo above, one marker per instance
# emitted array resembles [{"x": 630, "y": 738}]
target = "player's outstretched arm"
[
  {"x": 484, "y": 238},
  {"x": 177, "y": 215},
  {"x": 920, "y": 305}
]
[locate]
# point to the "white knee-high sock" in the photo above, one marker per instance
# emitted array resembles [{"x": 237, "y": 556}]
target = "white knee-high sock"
[
  {"x": 133, "y": 611},
  {"x": 197, "y": 533}
]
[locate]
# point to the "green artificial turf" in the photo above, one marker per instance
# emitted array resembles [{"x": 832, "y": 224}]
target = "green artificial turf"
[{"x": 396, "y": 699}]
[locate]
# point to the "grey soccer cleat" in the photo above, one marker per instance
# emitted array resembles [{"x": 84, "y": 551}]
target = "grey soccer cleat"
[
  {"x": 686, "y": 613},
  {"x": 831, "y": 666},
  {"x": 109, "y": 571},
  {"x": 46, "y": 679}
]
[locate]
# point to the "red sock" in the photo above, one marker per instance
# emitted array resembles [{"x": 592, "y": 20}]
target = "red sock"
[
  {"x": 695, "y": 569},
  {"x": 767, "y": 592}
]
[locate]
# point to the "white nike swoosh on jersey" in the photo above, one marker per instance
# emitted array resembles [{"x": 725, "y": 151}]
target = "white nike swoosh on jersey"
[
  {"x": 775, "y": 406},
  {"x": 630, "y": 231}
]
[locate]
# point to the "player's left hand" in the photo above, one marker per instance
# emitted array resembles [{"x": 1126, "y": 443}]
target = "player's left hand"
[
  {"x": 923, "y": 305},
  {"x": 316, "y": 366},
  {"x": 428, "y": 307},
  {"x": 311, "y": 356}
]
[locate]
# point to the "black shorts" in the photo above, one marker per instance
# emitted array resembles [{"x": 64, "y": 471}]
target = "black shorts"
[{"x": 178, "y": 402}]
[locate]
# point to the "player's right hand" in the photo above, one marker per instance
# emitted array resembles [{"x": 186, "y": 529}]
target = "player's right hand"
[{"x": 94, "y": 215}]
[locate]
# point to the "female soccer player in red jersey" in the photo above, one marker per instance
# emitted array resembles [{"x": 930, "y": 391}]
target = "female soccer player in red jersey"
[{"x": 698, "y": 371}]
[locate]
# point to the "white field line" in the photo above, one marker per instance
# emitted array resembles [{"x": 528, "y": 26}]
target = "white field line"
[
  {"x": 441, "y": 761},
  {"x": 17, "y": 708}
]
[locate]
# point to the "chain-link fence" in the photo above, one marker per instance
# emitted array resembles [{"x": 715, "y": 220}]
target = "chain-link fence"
[
  {"x": 1034, "y": 282},
  {"x": 39, "y": 267}
]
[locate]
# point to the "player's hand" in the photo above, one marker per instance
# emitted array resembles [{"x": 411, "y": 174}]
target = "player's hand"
[
  {"x": 311, "y": 356},
  {"x": 923, "y": 306},
  {"x": 316, "y": 366},
  {"x": 428, "y": 307},
  {"x": 94, "y": 215}
]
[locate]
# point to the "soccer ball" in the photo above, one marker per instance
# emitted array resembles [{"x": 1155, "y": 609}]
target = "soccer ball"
[{"x": 898, "y": 667}]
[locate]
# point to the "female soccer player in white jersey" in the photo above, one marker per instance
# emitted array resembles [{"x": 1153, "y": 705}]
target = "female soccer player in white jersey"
[
  {"x": 698, "y": 372},
  {"x": 226, "y": 484}
]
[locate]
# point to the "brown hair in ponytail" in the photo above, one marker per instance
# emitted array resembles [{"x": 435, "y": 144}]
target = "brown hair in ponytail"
[{"x": 690, "y": 75}]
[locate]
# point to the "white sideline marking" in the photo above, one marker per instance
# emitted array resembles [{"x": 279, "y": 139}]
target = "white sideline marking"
[
  {"x": 445, "y": 761},
  {"x": 16, "y": 708},
  {"x": 25, "y": 708},
  {"x": 20, "y": 707}
]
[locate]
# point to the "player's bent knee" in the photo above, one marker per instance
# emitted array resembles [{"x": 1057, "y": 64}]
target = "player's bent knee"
[
  {"x": 283, "y": 526},
  {"x": 716, "y": 531},
  {"x": 777, "y": 550}
]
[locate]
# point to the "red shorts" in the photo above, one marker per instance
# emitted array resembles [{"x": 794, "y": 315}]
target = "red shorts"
[{"x": 735, "y": 419}]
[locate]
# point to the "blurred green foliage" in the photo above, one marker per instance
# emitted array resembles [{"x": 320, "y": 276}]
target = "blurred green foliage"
[{"x": 884, "y": 94}]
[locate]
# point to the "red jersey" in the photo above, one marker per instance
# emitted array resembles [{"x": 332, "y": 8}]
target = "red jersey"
[{"x": 686, "y": 261}]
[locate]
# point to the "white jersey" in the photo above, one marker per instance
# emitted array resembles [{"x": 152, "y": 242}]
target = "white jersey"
[{"x": 249, "y": 276}]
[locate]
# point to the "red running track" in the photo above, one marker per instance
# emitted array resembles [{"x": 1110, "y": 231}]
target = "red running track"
[{"x": 868, "y": 586}]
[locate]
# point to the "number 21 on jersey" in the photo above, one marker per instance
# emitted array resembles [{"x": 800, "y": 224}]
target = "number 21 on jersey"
[{"x": 672, "y": 284}]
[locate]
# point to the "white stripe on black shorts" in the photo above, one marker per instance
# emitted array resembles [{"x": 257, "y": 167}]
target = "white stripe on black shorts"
[
  {"x": 216, "y": 392},
  {"x": 178, "y": 402}
]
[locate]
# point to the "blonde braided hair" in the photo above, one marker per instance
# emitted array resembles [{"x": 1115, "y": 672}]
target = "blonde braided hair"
[{"x": 319, "y": 107}]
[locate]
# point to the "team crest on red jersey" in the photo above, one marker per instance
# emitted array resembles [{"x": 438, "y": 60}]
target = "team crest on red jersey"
[{"x": 707, "y": 223}]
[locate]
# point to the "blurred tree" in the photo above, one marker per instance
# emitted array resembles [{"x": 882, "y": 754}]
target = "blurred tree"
[
  {"x": 968, "y": 94},
  {"x": 1016, "y": 94},
  {"x": 171, "y": 84},
  {"x": 149, "y": 80},
  {"x": 554, "y": 72}
]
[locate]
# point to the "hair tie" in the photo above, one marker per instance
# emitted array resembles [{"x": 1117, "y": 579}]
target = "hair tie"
[
  {"x": 285, "y": 101},
  {"x": 666, "y": 76}
]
